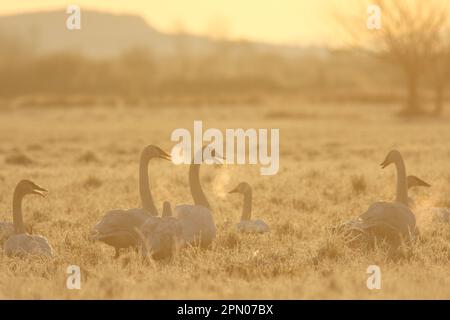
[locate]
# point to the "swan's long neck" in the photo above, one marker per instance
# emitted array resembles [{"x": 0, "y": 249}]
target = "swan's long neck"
[
  {"x": 402, "y": 190},
  {"x": 247, "y": 209},
  {"x": 17, "y": 212},
  {"x": 144, "y": 187},
  {"x": 196, "y": 189}
]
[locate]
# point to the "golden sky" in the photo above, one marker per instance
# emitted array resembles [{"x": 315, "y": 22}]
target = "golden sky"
[{"x": 280, "y": 21}]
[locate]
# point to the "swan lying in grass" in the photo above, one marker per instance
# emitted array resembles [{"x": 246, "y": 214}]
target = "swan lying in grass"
[
  {"x": 247, "y": 225},
  {"x": 392, "y": 221},
  {"x": 20, "y": 243}
]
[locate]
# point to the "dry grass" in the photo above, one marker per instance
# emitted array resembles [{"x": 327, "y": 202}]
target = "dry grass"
[{"x": 329, "y": 173}]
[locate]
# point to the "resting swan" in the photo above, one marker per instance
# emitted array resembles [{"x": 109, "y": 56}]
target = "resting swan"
[
  {"x": 163, "y": 236},
  {"x": 196, "y": 220},
  {"x": 392, "y": 221},
  {"x": 118, "y": 228},
  {"x": 247, "y": 225},
  {"x": 21, "y": 243}
]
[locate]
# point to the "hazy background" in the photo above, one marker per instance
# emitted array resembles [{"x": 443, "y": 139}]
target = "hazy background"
[{"x": 223, "y": 52}]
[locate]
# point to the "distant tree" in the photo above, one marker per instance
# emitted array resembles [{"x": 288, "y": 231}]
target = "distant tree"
[
  {"x": 183, "y": 49},
  {"x": 139, "y": 68},
  {"x": 409, "y": 37},
  {"x": 439, "y": 71}
]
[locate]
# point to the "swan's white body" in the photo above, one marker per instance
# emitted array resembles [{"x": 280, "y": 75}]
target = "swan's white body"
[
  {"x": 197, "y": 223},
  {"x": 391, "y": 221},
  {"x": 117, "y": 228},
  {"x": 24, "y": 244},
  {"x": 252, "y": 226},
  {"x": 161, "y": 237}
]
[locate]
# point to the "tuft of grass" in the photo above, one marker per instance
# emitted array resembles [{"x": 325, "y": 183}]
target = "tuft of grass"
[
  {"x": 92, "y": 182},
  {"x": 288, "y": 229},
  {"x": 330, "y": 250},
  {"x": 19, "y": 159},
  {"x": 359, "y": 184},
  {"x": 230, "y": 240},
  {"x": 35, "y": 147},
  {"x": 88, "y": 157}
]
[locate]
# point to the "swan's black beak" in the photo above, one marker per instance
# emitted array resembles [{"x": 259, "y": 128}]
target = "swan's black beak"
[
  {"x": 39, "y": 191},
  {"x": 422, "y": 183},
  {"x": 385, "y": 163},
  {"x": 235, "y": 190},
  {"x": 164, "y": 155}
]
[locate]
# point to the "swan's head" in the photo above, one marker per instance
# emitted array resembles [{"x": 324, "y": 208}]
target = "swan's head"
[
  {"x": 392, "y": 157},
  {"x": 242, "y": 187},
  {"x": 211, "y": 155},
  {"x": 413, "y": 181},
  {"x": 152, "y": 151},
  {"x": 28, "y": 187},
  {"x": 167, "y": 209}
]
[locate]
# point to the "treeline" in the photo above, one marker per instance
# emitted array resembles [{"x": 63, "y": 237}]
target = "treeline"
[{"x": 229, "y": 72}]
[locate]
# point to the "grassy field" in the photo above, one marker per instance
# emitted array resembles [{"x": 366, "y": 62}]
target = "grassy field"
[{"x": 329, "y": 172}]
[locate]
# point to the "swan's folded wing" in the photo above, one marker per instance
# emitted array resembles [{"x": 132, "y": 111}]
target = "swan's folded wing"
[
  {"x": 24, "y": 244},
  {"x": 119, "y": 222},
  {"x": 390, "y": 214}
]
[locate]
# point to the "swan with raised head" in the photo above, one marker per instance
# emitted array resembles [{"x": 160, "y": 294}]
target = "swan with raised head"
[
  {"x": 391, "y": 221},
  {"x": 196, "y": 220},
  {"x": 246, "y": 225},
  {"x": 162, "y": 237},
  {"x": 118, "y": 228},
  {"x": 21, "y": 243}
]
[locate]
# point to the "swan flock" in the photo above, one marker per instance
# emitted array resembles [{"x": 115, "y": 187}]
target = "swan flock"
[{"x": 163, "y": 236}]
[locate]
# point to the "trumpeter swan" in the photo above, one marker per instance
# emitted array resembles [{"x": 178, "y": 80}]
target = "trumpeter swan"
[
  {"x": 21, "y": 243},
  {"x": 247, "y": 225},
  {"x": 163, "y": 236},
  {"x": 196, "y": 220},
  {"x": 392, "y": 221},
  {"x": 118, "y": 228}
]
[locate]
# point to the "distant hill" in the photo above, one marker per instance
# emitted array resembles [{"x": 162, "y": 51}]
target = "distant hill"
[{"x": 104, "y": 35}]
